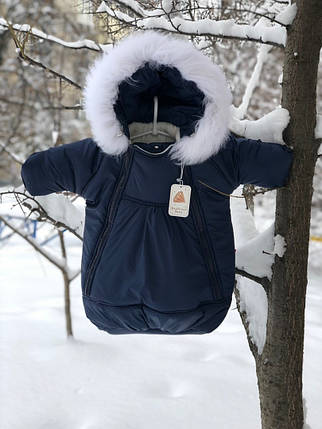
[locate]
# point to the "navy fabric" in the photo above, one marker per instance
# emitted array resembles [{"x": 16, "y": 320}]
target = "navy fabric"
[
  {"x": 154, "y": 273},
  {"x": 144, "y": 271},
  {"x": 179, "y": 101}
]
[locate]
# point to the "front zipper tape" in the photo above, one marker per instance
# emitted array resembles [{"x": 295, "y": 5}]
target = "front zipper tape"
[
  {"x": 111, "y": 211},
  {"x": 201, "y": 227}
]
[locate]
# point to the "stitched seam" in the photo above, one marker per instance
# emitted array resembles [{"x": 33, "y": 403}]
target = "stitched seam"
[
  {"x": 203, "y": 303},
  {"x": 90, "y": 179}
]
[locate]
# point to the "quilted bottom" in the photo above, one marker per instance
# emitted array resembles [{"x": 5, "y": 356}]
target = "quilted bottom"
[{"x": 141, "y": 319}]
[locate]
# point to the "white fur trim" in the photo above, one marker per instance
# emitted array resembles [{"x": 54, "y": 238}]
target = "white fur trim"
[{"x": 101, "y": 92}]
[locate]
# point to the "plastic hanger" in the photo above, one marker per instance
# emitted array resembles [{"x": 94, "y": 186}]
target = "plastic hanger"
[{"x": 154, "y": 130}]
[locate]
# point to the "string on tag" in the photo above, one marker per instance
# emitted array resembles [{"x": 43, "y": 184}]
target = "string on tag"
[{"x": 180, "y": 179}]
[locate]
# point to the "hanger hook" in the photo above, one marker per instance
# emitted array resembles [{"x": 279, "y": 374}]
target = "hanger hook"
[{"x": 155, "y": 116}]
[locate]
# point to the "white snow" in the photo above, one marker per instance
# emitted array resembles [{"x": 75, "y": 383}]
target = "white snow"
[
  {"x": 280, "y": 78},
  {"x": 54, "y": 136},
  {"x": 268, "y": 128},
  {"x": 99, "y": 380},
  {"x": 287, "y": 16},
  {"x": 132, "y": 381},
  {"x": 253, "y": 301},
  {"x": 168, "y": 5},
  {"x": 101, "y": 7},
  {"x": 255, "y": 250},
  {"x": 135, "y": 6},
  {"x": 90, "y": 44},
  {"x": 256, "y": 257},
  {"x": 241, "y": 111},
  {"x": 275, "y": 34},
  {"x": 256, "y": 253},
  {"x": 279, "y": 245},
  {"x": 57, "y": 206},
  {"x": 318, "y": 127}
]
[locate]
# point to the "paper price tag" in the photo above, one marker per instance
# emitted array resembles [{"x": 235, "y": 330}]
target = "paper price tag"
[{"x": 179, "y": 200}]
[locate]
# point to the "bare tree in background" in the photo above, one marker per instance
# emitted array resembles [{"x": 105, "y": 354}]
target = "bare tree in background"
[
  {"x": 39, "y": 104},
  {"x": 38, "y": 112}
]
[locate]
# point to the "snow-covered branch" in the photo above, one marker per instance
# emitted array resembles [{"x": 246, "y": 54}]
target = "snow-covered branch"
[
  {"x": 253, "y": 82},
  {"x": 12, "y": 155},
  {"x": 256, "y": 257},
  {"x": 255, "y": 254},
  {"x": 268, "y": 128},
  {"x": 253, "y": 308},
  {"x": 58, "y": 262},
  {"x": 56, "y": 209},
  {"x": 20, "y": 49},
  {"x": 274, "y": 35},
  {"x": 33, "y": 107},
  {"x": 25, "y": 58},
  {"x": 79, "y": 44},
  {"x": 318, "y": 127}
]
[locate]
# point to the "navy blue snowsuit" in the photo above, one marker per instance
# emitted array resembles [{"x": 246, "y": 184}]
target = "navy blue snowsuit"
[{"x": 144, "y": 271}]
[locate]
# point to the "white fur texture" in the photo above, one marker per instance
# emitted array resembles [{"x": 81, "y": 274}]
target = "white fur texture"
[{"x": 101, "y": 92}]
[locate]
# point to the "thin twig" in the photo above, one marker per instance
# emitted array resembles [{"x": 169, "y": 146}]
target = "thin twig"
[{"x": 43, "y": 215}]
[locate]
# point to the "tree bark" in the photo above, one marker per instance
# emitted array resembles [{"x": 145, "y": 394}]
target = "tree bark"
[
  {"x": 279, "y": 368},
  {"x": 4, "y": 39},
  {"x": 68, "y": 316}
]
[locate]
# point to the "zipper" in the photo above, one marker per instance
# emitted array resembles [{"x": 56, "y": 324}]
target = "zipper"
[
  {"x": 111, "y": 211},
  {"x": 204, "y": 240}
]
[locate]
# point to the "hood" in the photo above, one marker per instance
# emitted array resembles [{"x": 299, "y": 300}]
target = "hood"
[{"x": 192, "y": 94}]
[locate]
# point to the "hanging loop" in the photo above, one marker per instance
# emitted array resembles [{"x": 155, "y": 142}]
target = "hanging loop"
[{"x": 180, "y": 179}]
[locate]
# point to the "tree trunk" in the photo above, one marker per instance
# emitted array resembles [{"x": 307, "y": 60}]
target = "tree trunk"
[
  {"x": 279, "y": 368},
  {"x": 4, "y": 39},
  {"x": 68, "y": 316}
]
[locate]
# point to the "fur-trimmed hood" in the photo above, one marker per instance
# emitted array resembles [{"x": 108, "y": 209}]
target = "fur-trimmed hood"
[{"x": 192, "y": 91}]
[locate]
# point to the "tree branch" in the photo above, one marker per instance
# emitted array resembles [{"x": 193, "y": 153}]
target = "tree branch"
[
  {"x": 141, "y": 12},
  {"x": 243, "y": 316},
  {"x": 25, "y": 57},
  {"x": 42, "y": 213},
  {"x": 263, "y": 281},
  {"x": 13, "y": 156},
  {"x": 225, "y": 29},
  {"x": 80, "y": 44},
  {"x": 32, "y": 106},
  {"x": 59, "y": 263}
]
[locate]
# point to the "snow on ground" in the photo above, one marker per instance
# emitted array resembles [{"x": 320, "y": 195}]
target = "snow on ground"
[{"x": 99, "y": 381}]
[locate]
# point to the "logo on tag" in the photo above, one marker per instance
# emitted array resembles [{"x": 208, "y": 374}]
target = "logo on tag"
[
  {"x": 179, "y": 200},
  {"x": 179, "y": 197}
]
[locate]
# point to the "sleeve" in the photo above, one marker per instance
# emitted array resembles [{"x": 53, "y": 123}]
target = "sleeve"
[
  {"x": 68, "y": 167},
  {"x": 265, "y": 164}
]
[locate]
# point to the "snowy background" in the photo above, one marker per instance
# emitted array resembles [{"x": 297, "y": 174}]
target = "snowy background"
[{"x": 99, "y": 381}]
